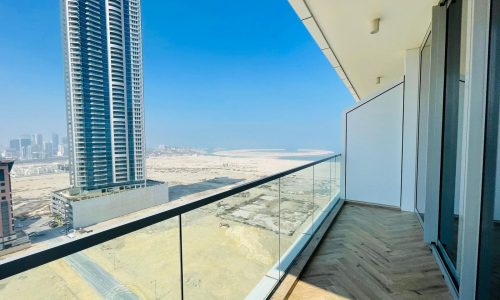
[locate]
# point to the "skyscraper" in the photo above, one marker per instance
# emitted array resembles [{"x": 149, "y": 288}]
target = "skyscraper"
[{"x": 104, "y": 94}]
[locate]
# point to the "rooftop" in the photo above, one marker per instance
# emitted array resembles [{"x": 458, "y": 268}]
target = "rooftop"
[{"x": 67, "y": 193}]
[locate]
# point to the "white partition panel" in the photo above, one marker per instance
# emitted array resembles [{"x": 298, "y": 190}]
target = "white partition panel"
[{"x": 373, "y": 149}]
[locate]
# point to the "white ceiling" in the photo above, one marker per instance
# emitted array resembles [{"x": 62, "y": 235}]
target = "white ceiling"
[{"x": 341, "y": 28}]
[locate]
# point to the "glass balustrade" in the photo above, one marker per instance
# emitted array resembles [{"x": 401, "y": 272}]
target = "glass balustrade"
[{"x": 227, "y": 246}]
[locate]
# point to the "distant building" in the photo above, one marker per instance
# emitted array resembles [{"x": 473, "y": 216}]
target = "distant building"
[
  {"x": 9, "y": 238},
  {"x": 25, "y": 150},
  {"x": 39, "y": 139},
  {"x": 28, "y": 152},
  {"x": 47, "y": 150},
  {"x": 35, "y": 148},
  {"x": 65, "y": 147},
  {"x": 15, "y": 145},
  {"x": 55, "y": 143},
  {"x": 61, "y": 150},
  {"x": 14, "y": 148},
  {"x": 104, "y": 93}
]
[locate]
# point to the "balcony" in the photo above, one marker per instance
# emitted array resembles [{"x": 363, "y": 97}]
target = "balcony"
[
  {"x": 370, "y": 252},
  {"x": 194, "y": 249},
  {"x": 409, "y": 210},
  {"x": 287, "y": 236}
]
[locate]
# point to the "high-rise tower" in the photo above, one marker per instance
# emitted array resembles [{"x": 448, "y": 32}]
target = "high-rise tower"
[{"x": 104, "y": 92}]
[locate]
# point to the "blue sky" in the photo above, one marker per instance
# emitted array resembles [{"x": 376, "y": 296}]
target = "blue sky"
[{"x": 228, "y": 74}]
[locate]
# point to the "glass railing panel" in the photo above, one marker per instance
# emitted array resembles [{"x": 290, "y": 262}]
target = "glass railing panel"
[
  {"x": 140, "y": 265},
  {"x": 229, "y": 246},
  {"x": 296, "y": 213},
  {"x": 336, "y": 174},
  {"x": 322, "y": 186},
  {"x": 232, "y": 247},
  {"x": 55, "y": 280},
  {"x": 147, "y": 262},
  {"x": 322, "y": 192}
]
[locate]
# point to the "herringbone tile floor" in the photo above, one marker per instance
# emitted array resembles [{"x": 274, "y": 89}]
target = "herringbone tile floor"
[{"x": 372, "y": 253}]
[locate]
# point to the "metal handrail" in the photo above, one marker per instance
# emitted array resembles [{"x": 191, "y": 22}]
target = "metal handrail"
[{"x": 29, "y": 261}]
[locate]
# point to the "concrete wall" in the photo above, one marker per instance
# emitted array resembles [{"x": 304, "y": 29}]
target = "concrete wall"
[
  {"x": 92, "y": 211},
  {"x": 373, "y": 148}
]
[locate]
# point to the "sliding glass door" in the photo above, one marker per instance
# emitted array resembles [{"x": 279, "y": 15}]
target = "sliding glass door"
[
  {"x": 489, "y": 248},
  {"x": 423, "y": 119},
  {"x": 449, "y": 209}
]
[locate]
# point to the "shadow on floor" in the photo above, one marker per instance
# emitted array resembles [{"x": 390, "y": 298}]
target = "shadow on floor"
[{"x": 181, "y": 190}]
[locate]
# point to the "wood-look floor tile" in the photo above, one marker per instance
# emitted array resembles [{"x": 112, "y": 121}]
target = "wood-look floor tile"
[{"x": 372, "y": 253}]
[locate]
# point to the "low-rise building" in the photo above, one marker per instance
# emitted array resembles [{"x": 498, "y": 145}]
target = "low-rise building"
[{"x": 77, "y": 208}]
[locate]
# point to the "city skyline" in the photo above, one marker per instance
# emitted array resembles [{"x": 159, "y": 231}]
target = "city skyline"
[
  {"x": 35, "y": 147},
  {"x": 212, "y": 80}
]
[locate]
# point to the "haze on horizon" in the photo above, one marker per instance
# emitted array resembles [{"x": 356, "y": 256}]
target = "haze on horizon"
[{"x": 214, "y": 77}]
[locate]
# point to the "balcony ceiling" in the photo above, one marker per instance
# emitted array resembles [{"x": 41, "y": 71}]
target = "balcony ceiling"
[{"x": 341, "y": 28}]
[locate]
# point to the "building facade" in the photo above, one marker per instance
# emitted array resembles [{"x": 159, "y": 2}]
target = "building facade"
[
  {"x": 93, "y": 207},
  {"x": 7, "y": 233},
  {"x": 104, "y": 92}
]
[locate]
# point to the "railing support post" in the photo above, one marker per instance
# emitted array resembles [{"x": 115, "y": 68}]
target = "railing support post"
[{"x": 181, "y": 258}]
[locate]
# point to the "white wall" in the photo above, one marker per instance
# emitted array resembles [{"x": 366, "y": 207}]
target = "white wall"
[
  {"x": 410, "y": 123},
  {"x": 373, "y": 149}
]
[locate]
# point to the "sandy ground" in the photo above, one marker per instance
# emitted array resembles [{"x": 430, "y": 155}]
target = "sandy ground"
[
  {"x": 274, "y": 153},
  {"x": 228, "y": 246},
  {"x": 31, "y": 194}
]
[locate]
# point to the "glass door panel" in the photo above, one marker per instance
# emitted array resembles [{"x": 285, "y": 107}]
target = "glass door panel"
[
  {"x": 423, "y": 115},
  {"x": 489, "y": 248},
  {"x": 449, "y": 214}
]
